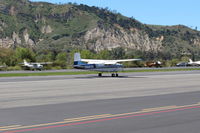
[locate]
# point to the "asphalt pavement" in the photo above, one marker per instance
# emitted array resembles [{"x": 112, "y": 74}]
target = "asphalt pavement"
[{"x": 160, "y": 102}]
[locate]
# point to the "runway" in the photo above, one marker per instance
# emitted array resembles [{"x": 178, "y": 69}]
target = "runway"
[{"x": 134, "y": 102}]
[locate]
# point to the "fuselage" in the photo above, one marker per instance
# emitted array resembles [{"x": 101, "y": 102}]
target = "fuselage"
[
  {"x": 98, "y": 67},
  {"x": 197, "y": 63},
  {"x": 36, "y": 66}
]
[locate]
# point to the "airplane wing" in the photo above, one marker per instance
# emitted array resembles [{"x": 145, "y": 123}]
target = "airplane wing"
[
  {"x": 117, "y": 61},
  {"x": 2, "y": 66},
  {"x": 42, "y": 63},
  {"x": 125, "y": 60},
  {"x": 45, "y": 63},
  {"x": 91, "y": 61}
]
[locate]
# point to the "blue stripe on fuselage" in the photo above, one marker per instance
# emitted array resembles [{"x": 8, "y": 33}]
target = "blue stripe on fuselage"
[{"x": 83, "y": 65}]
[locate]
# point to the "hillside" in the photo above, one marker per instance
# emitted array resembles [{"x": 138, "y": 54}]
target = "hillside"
[{"x": 45, "y": 26}]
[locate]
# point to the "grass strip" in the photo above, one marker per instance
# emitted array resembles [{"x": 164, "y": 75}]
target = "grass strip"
[
  {"x": 90, "y": 72},
  {"x": 44, "y": 74},
  {"x": 162, "y": 70}
]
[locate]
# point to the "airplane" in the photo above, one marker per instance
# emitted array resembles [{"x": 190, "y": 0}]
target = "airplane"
[
  {"x": 193, "y": 63},
  {"x": 34, "y": 66},
  {"x": 153, "y": 64},
  {"x": 101, "y": 66},
  {"x": 4, "y": 66}
]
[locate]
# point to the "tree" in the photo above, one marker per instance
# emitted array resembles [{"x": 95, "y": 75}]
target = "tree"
[
  {"x": 104, "y": 54},
  {"x": 61, "y": 59},
  {"x": 24, "y": 53},
  {"x": 47, "y": 57},
  {"x": 7, "y": 56},
  {"x": 118, "y": 53},
  {"x": 87, "y": 54}
]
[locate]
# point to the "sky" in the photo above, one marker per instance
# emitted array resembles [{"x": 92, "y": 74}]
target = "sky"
[{"x": 157, "y": 12}]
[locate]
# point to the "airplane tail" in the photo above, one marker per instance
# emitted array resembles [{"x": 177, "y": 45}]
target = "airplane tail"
[
  {"x": 190, "y": 61},
  {"x": 77, "y": 57},
  {"x": 77, "y": 60},
  {"x": 78, "y": 64},
  {"x": 25, "y": 62}
]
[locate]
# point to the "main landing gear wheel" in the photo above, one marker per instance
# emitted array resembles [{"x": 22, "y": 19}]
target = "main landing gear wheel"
[
  {"x": 100, "y": 74},
  {"x": 114, "y": 75}
]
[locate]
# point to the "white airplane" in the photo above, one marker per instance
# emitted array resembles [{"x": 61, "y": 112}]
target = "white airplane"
[
  {"x": 194, "y": 63},
  {"x": 34, "y": 66},
  {"x": 112, "y": 66},
  {"x": 3, "y": 66}
]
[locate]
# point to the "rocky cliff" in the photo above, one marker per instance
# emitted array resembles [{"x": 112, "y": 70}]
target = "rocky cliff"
[
  {"x": 99, "y": 39},
  {"x": 45, "y": 26}
]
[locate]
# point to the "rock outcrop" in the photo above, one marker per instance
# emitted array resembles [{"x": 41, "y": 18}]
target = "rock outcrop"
[
  {"x": 58, "y": 28},
  {"x": 46, "y": 29},
  {"x": 99, "y": 39}
]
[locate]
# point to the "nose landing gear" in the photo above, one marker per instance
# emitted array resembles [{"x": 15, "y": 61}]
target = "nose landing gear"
[
  {"x": 114, "y": 75},
  {"x": 100, "y": 74}
]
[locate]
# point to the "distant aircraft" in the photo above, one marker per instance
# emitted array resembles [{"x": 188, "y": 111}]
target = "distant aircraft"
[
  {"x": 182, "y": 64},
  {"x": 34, "y": 66},
  {"x": 193, "y": 63},
  {"x": 4, "y": 66},
  {"x": 153, "y": 64},
  {"x": 112, "y": 66}
]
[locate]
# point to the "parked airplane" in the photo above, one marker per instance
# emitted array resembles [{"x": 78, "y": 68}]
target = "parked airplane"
[
  {"x": 34, "y": 66},
  {"x": 194, "y": 63},
  {"x": 2, "y": 67},
  {"x": 112, "y": 66},
  {"x": 153, "y": 64}
]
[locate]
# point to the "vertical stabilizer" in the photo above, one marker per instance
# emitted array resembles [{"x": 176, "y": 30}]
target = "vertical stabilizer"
[
  {"x": 190, "y": 61},
  {"x": 77, "y": 57},
  {"x": 25, "y": 62},
  {"x": 77, "y": 61}
]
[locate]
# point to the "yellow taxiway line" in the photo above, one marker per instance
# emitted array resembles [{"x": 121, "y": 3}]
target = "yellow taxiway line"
[
  {"x": 94, "y": 117},
  {"x": 11, "y": 126},
  {"x": 61, "y": 122}
]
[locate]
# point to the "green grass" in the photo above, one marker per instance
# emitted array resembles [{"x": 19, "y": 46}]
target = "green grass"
[
  {"x": 44, "y": 74},
  {"x": 89, "y": 72},
  {"x": 163, "y": 70}
]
